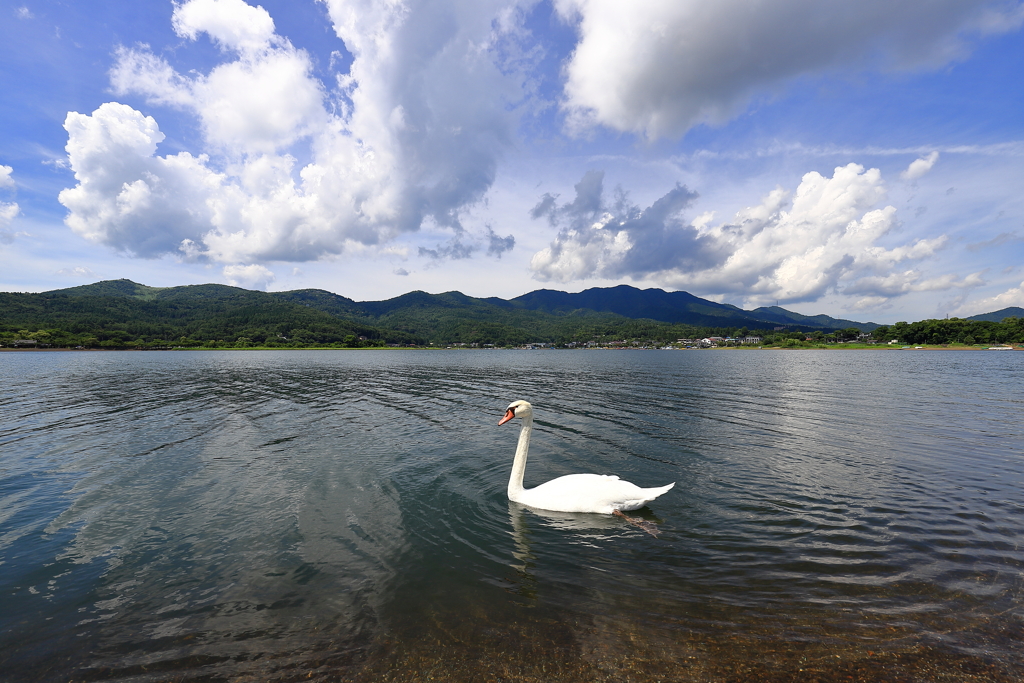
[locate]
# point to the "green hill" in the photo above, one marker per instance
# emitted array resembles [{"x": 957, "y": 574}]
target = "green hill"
[
  {"x": 678, "y": 307},
  {"x": 122, "y": 313},
  {"x": 1000, "y": 315}
]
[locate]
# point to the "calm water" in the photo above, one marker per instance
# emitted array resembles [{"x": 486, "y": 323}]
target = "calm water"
[{"x": 237, "y": 516}]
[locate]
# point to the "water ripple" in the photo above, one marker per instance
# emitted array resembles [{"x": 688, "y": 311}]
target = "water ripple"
[{"x": 279, "y": 516}]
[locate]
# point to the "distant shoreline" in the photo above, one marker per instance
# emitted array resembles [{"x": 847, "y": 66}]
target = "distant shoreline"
[{"x": 836, "y": 347}]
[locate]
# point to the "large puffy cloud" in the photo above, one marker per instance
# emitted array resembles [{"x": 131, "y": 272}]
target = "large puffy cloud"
[
  {"x": 426, "y": 83},
  {"x": 411, "y": 134},
  {"x": 658, "y": 68},
  {"x": 262, "y": 102},
  {"x": 126, "y": 196},
  {"x": 789, "y": 247}
]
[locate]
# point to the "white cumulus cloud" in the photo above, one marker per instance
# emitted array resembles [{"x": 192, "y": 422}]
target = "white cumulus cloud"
[
  {"x": 233, "y": 24},
  {"x": 127, "y": 197},
  {"x": 261, "y": 102},
  {"x": 791, "y": 247},
  {"x": 658, "y": 68},
  {"x": 411, "y": 134}
]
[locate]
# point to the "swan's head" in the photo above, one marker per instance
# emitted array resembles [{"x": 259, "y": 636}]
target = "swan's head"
[{"x": 517, "y": 409}]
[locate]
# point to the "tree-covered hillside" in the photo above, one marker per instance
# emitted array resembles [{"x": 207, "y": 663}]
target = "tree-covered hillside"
[
  {"x": 1000, "y": 315},
  {"x": 676, "y": 307},
  {"x": 125, "y": 314}
]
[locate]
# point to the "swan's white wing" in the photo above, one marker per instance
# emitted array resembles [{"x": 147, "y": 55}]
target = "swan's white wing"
[{"x": 601, "y": 493}]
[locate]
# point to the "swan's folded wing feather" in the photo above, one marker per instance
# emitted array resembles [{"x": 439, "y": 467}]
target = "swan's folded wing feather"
[{"x": 600, "y": 493}]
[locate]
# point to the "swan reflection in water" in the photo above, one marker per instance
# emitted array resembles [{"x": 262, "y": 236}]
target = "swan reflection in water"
[
  {"x": 583, "y": 528},
  {"x": 578, "y": 528}
]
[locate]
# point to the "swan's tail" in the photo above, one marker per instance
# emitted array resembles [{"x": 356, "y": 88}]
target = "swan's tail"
[{"x": 652, "y": 493}]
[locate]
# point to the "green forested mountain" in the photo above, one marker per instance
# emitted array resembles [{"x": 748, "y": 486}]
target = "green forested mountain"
[
  {"x": 122, "y": 313},
  {"x": 676, "y": 307},
  {"x": 1000, "y": 315},
  {"x": 656, "y": 304}
]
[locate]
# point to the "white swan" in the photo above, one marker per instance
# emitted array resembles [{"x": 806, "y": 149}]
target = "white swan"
[{"x": 601, "y": 493}]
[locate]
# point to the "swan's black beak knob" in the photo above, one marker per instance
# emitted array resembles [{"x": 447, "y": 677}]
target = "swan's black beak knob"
[{"x": 509, "y": 414}]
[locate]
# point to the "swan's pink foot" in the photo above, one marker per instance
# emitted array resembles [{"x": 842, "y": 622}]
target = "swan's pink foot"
[{"x": 649, "y": 527}]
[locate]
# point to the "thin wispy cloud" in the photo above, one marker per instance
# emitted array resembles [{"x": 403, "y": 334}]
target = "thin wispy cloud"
[
  {"x": 77, "y": 272},
  {"x": 1000, "y": 240}
]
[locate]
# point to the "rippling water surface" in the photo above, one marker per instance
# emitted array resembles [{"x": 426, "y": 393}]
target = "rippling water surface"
[{"x": 341, "y": 515}]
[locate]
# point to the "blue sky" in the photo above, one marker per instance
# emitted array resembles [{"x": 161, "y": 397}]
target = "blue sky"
[{"x": 863, "y": 160}]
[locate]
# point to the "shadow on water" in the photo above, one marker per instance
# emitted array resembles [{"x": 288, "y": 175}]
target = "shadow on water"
[{"x": 342, "y": 516}]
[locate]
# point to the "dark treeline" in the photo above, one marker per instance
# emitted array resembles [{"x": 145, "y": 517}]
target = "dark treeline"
[
  {"x": 954, "y": 331},
  {"x": 286, "y": 334}
]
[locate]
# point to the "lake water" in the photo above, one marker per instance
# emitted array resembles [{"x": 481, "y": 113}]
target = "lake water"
[{"x": 341, "y": 515}]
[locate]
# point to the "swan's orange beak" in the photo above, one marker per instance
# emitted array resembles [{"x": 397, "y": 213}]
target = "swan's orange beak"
[{"x": 509, "y": 414}]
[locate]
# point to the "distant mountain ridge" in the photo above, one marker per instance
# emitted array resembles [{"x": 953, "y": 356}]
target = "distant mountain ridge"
[
  {"x": 126, "y": 314},
  {"x": 998, "y": 316},
  {"x": 412, "y": 311},
  {"x": 677, "y": 307}
]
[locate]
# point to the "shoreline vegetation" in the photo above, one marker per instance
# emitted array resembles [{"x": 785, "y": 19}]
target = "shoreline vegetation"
[
  {"x": 124, "y": 315},
  {"x": 948, "y": 334},
  {"x": 746, "y": 347}
]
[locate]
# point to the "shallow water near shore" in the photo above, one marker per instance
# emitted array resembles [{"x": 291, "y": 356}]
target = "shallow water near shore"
[{"x": 340, "y": 515}]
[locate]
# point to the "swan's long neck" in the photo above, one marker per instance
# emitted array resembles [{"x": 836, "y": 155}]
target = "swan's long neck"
[{"x": 515, "y": 482}]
